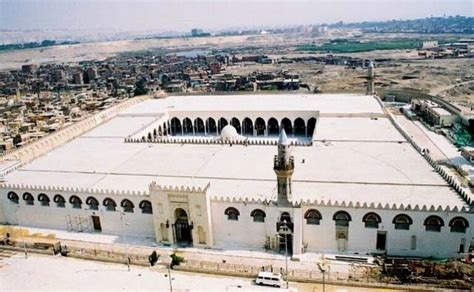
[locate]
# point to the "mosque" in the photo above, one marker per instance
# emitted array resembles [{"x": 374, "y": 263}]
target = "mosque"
[{"x": 325, "y": 173}]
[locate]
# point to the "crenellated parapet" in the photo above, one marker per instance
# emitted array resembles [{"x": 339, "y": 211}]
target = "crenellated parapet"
[
  {"x": 241, "y": 200},
  {"x": 65, "y": 189},
  {"x": 214, "y": 141},
  {"x": 154, "y": 186}
]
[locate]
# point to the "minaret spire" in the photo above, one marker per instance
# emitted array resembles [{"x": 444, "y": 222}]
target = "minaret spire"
[{"x": 283, "y": 167}]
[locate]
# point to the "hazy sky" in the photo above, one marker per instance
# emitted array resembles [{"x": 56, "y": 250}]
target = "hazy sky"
[{"x": 176, "y": 15}]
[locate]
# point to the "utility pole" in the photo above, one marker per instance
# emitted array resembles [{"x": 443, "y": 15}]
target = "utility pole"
[
  {"x": 286, "y": 252},
  {"x": 169, "y": 278},
  {"x": 324, "y": 278},
  {"x": 125, "y": 240}
]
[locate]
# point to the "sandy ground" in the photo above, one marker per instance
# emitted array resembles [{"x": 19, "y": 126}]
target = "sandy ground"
[{"x": 48, "y": 273}]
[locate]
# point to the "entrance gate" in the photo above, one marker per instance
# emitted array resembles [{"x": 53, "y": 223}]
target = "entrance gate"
[
  {"x": 285, "y": 232},
  {"x": 182, "y": 229}
]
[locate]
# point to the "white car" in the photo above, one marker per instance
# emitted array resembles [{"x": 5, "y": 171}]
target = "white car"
[{"x": 269, "y": 279}]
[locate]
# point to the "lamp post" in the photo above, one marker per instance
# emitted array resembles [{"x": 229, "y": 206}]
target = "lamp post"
[
  {"x": 324, "y": 272},
  {"x": 169, "y": 278},
  {"x": 125, "y": 240},
  {"x": 19, "y": 225}
]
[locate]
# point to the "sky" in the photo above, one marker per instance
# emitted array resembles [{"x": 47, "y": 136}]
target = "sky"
[{"x": 178, "y": 15}]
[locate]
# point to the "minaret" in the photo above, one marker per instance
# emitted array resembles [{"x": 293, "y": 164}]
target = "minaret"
[
  {"x": 283, "y": 166},
  {"x": 370, "y": 79}
]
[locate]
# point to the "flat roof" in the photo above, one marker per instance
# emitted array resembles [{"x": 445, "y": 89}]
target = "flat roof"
[{"x": 359, "y": 159}]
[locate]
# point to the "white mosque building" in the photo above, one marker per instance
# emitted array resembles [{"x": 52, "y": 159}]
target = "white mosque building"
[{"x": 326, "y": 173}]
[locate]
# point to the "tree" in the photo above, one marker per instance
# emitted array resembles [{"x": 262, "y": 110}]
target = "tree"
[{"x": 140, "y": 88}]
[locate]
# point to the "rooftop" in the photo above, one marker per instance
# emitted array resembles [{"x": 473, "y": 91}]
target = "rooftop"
[{"x": 358, "y": 159}]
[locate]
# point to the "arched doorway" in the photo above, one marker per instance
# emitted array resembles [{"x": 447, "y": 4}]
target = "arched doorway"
[
  {"x": 198, "y": 126},
  {"x": 273, "y": 128},
  {"x": 286, "y": 124},
  {"x": 260, "y": 126},
  {"x": 187, "y": 126},
  {"x": 236, "y": 124},
  {"x": 221, "y": 124},
  {"x": 175, "y": 126},
  {"x": 247, "y": 127},
  {"x": 182, "y": 228},
  {"x": 285, "y": 231},
  {"x": 211, "y": 127},
  {"x": 300, "y": 128}
]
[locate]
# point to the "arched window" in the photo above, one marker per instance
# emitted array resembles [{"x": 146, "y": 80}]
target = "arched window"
[
  {"x": 146, "y": 207},
  {"x": 76, "y": 202},
  {"x": 458, "y": 224},
  {"x": 44, "y": 200},
  {"x": 127, "y": 206},
  {"x": 232, "y": 214},
  {"x": 13, "y": 197},
  {"x": 258, "y": 215},
  {"x": 371, "y": 220},
  {"x": 402, "y": 222},
  {"x": 60, "y": 201},
  {"x": 313, "y": 217},
  {"x": 433, "y": 223},
  {"x": 109, "y": 204},
  {"x": 342, "y": 218},
  {"x": 92, "y": 203},
  {"x": 285, "y": 216},
  {"x": 29, "y": 199}
]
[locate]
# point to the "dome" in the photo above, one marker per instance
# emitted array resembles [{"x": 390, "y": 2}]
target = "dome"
[{"x": 229, "y": 132}]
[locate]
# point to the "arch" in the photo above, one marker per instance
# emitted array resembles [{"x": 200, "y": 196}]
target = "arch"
[
  {"x": 247, "y": 127},
  {"x": 232, "y": 214},
  {"x": 311, "y": 126},
  {"x": 260, "y": 126},
  {"x": 187, "y": 126},
  {"x": 273, "y": 127},
  {"x": 342, "y": 218},
  {"x": 402, "y": 221},
  {"x": 29, "y": 198},
  {"x": 258, "y": 215},
  {"x": 60, "y": 201},
  {"x": 285, "y": 216},
  {"x": 201, "y": 235},
  {"x": 211, "y": 127},
  {"x": 127, "y": 205},
  {"x": 286, "y": 124},
  {"x": 76, "y": 202},
  {"x": 221, "y": 124},
  {"x": 313, "y": 217},
  {"x": 146, "y": 207},
  {"x": 433, "y": 223},
  {"x": 371, "y": 220},
  {"x": 198, "y": 126},
  {"x": 459, "y": 224},
  {"x": 155, "y": 134},
  {"x": 236, "y": 124},
  {"x": 149, "y": 138},
  {"x": 93, "y": 203},
  {"x": 180, "y": 214},
  {"x": 109, "y": 204},
  {"x": 13, "y": 197},
  {"x": 160, "y": 131},
  {"x": 43, "y": 199},
  {"x": 299, "y": 127},
  {"x": 175, "y": 126}
]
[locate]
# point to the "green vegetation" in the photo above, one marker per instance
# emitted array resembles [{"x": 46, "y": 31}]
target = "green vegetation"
[
  {"x": 462, "y": 137},
  {"x": 345, "y": 46},
  {"x": 32, "y": 45},
  {"x": 176, "y": 260}
]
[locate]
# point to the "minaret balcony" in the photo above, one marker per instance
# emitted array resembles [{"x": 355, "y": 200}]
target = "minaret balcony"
[{"x": 279, "y": 164}]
